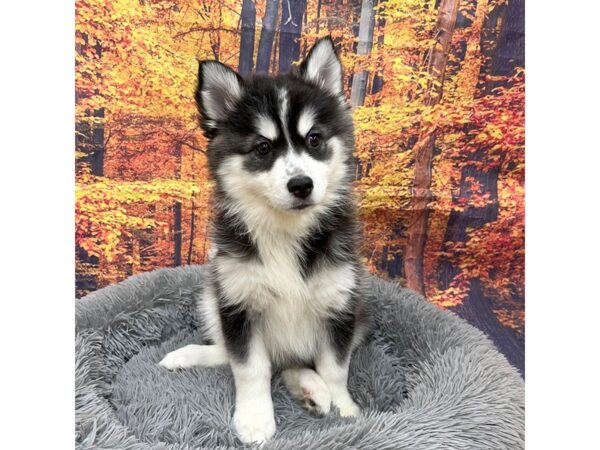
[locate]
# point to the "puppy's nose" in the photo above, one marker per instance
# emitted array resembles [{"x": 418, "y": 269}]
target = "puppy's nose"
[{"x": 300, "y": 187}]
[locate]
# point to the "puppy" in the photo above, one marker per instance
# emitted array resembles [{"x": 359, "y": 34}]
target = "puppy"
[{"x": 285, "y": 289}]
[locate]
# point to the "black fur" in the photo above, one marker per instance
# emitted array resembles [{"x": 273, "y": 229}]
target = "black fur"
[
  {"x": 333, "y": 241},
  {"x": 341, "y": 330},
  {"x": 237, "y": 328},
  {"x": 231, "y": 236}
]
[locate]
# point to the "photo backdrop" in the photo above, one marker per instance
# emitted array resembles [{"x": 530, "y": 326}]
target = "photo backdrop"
[{"x": 437, "y": 89}]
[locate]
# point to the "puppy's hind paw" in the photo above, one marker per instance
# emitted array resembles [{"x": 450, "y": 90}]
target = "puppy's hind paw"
[
  {"x": 316, "y": 399},
  {"x": 309, "y": 389}
]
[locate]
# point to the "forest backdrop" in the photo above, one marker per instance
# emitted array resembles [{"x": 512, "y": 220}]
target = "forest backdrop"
[{"x": 437, "y": 89}]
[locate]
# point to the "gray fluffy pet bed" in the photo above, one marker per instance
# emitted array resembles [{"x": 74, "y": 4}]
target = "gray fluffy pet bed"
[{"x": 425, "y": 379}]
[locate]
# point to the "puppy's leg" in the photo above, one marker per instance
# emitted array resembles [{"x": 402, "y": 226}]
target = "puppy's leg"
[
  {"x": 254, "y": 418},
  {"x": 195, "y": 355},
  {"x": 334, "y": 372},
  {"x": 308, "y": 387}
]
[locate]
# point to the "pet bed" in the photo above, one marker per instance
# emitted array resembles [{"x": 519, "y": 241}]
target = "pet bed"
[{"x": 424, "y": 379}]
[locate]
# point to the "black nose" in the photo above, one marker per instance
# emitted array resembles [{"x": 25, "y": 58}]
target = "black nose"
[{"x": 300, "y": 187}]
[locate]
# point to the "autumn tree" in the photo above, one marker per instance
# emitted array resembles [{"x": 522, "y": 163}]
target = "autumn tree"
[
  {"x": 89, "y": 140},
  {"x": 248, "y": 20},
  {"x": 290, "y": 31},
  {"x": 423, "y": 149},
  {"x": 267, "y": 34},
  {"x": 365, "y": 42}
]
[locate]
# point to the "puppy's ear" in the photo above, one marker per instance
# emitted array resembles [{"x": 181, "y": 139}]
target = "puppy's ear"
[
  {"x": 218, "y": 90},
  {"x": 323, "y": 67}
]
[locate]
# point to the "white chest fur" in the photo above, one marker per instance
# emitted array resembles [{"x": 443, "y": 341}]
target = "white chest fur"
[{"x": 291, "y": 312}]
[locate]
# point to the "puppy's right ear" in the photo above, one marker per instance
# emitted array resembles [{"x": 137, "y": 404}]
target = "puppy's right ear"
[
  {"x": 219, "y": 88},
  {"x": 322, "y": 66}
]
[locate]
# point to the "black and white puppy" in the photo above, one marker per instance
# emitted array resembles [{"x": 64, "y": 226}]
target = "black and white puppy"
[{"x": 286, "y": 288}]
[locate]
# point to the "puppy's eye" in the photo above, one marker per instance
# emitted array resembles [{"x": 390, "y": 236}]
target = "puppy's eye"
[
  {"x": 314, "y": 140},
  {"x": 263, "y": 148}
]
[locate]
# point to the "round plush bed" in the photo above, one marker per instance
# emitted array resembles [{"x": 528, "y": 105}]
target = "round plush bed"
[{"x": 424, "y": 379}]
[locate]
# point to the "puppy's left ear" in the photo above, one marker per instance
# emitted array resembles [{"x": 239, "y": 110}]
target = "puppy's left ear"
[
  {"x": 322, "y": 66},
  {"x": 219, "y": 88}
]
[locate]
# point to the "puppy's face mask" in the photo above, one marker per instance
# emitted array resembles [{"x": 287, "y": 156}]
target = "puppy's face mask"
[{"x": 282, "y": 142}]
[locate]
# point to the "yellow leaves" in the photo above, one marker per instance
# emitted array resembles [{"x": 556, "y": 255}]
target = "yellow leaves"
[
  {"x": 136, "y": 68},
  {"x": 513, "y": 318},
  {"x": 449, "y": 298},
  {"x": 135, "y": 191},
  {"x": 494, "y": 131},
  {"x": 489, "y": 134},
  {"x": 103, "y": 215}
]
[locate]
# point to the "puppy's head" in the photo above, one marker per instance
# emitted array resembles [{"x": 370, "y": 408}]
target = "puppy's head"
[{"x": 281, "y": 143}]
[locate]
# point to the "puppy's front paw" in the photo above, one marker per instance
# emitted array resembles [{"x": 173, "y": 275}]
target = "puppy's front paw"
[
  {"x": 254, "y": 426},
  {"x": 181, "y": 358},
  {"x": 348, "y": 409}
]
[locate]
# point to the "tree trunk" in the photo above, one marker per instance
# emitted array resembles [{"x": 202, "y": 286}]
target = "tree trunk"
[
  {"x": 318, "y": 15},
  {"x": 377, "y": 85},
  {"x": 247, "y": 39},
  {"x": 290, "y": 31},
  {"x": 275, "y": 56},
  {"x": 96, "y": 157},
  {"x": 267, "y": 33},
  {"x": 488, "y": 43},
  {"x": 89, "y": 139},
  {"x": 177, "y": 212},
  {"x": 423, "y": 150},
  {"x": 192, "y": 232},
  {"x": 510, "y": 50},
  {"x": 177, "y": 233},
  {"x": 508, "y": 55},
  {"x": 359, "y": 79},
  {"x": 365, "y": 43},
  {"x": 333, "y": 16}
]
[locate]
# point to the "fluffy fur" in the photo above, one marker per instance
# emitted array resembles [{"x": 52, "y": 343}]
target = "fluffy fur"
[{"x": 286, "y": 289}]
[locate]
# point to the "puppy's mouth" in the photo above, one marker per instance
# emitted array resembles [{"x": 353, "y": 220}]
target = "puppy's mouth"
[{"x": 302, "y": 206}]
